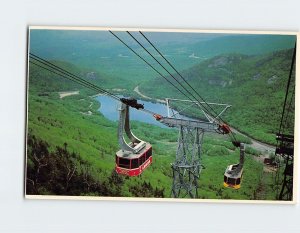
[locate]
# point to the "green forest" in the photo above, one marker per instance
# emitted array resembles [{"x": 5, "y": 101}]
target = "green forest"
[
  {"x": 71, "y": 146},
  {"x": 255, "y": 86}
]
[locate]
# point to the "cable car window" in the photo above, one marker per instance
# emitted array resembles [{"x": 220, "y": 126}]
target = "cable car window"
[
  {"x": 142, "y": 159},
  {"x": 231, "y": 181},
  {"x": 125, "y": 163},
  {"x": 225, "y": 179},
  {"x": 238, "y": 181},
  {"x": 148, "y": 153},
  {"x": 134, "y": 163}
]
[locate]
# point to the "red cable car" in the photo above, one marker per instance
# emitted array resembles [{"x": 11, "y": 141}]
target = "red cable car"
[
  {"x": 225, "y": 129},
  {"x": 133, "y": 157},
  {"x": 133, "y": 164}
]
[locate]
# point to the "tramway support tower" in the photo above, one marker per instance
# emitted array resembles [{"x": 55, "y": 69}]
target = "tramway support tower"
[
  {"x": 285, "y": 150},
  {"x": 187, "y": 165}
]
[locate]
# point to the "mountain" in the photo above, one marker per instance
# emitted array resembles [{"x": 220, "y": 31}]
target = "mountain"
[
  {"x": 243, "y": 44},
  {"x": 254, "y": 85},
  {"x": 101, "y": 52}
]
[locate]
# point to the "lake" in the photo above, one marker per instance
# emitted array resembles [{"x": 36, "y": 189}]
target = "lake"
[{"x": 109, "y": 108}]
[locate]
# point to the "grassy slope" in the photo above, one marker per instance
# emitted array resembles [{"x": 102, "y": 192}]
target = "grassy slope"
[{"x": 60, "y": 121}]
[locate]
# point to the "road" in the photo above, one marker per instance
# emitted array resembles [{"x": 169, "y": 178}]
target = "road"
[{"x": 260, "y": 146}]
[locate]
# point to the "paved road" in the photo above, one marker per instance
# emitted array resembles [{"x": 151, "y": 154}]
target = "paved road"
[{"x": 260, "y": 146}]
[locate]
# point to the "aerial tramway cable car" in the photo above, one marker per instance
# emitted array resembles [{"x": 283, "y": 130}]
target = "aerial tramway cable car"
[
  {"x": 234, "y": 172},
  {"x": 136, "y": 155}
]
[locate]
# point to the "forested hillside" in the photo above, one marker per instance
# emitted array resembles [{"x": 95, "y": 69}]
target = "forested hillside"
[{"x": 254, "y": 85}]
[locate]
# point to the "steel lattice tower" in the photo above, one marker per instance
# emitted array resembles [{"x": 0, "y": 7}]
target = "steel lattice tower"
[
  {"x": 286, "y": 151},
  {"x": 187, "y": 165},
  {"x": 286, "y": 192}
]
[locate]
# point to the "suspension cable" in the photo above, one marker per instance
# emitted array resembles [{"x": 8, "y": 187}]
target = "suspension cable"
[
  {"x": 287, "y": 87},
  {"x": 65, "y": 76},
  {"x": 148, "y": 64},
  {"x": 181, "y": 78},
  {"x": 289, "y": 109},
  {"x": 168, "y": 72},
  {"x": 68, "y": 75},
  {"x": 164, "y": 76},
  {"x": 207, "y": 111},
  {"x": 177, "y": 72}
]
